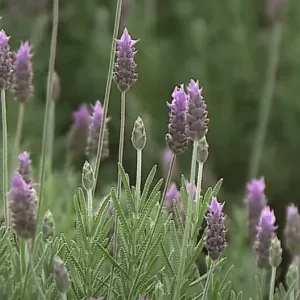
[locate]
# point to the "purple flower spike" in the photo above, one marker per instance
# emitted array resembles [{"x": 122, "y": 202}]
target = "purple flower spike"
[
  {"x": 23, "y": 207},
  {"x": 172, "y": 194},
  {"x": 292, "y": 230},
  {"x": 166, "y": 160},
  {"x": 81, "y": 116},
  {"x": 191, "y": 190},
  {"x": 216, "y": 234},
  {"x": 255, "y": 201},
  {"x": 176, "y": 138},
  {"x": 265, "y": 234},
  {"x": 125, "y": 75},
  {"x": 24, "y": 168},
  {"x": 94, "y": 133},
  {"x": 6, "y": 62},
  {"x": 22, "y": 81},
  {"x": 196, "y": 116}
]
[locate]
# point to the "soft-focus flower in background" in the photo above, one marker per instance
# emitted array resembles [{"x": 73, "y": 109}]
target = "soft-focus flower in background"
[{"x": 24, "y": 167}]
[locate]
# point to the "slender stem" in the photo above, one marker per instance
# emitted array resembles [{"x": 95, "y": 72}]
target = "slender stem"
[
  {"x": 47, "y": 110},
  {"x": 51, "y": 134},
  {"x": 90, "y": 244},
  {"x": 4, "y": 155},
  {"x": 138, "y": 178},
  {"x": 121, "y": 150},
  {"x": 141, "y": 265},
  {"x": 63, "y": 296},
  {"x": 90, "y": 210},
  {"x": 199, "y": 184},
  {"x": 210, "y": 272},
  {"x": 18, "y": 137},
  {"x": 183, "y": 250},
  {"x": 266, "y": 100},
  {"x": 30, "y": 263},
  {"x": 108, "y": 88},
  {"x": 272, "y": 283}
]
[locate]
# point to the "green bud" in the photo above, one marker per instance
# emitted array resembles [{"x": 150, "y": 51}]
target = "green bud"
[
  {"x": 88, "y": 178},
  {"x": 138, "y": 136},
  {"x": 275, "y": 253},
  {"x": 202, "y": 151},
  {"x": 48, "y": 226},
  {"x": 61, "y": 275}
]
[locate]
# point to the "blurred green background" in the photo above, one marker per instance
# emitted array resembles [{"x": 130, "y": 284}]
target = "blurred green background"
[{"x": 223, "y": 43}]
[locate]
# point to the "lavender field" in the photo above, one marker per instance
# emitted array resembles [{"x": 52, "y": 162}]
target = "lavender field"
[{"x": 150, "y": 150}]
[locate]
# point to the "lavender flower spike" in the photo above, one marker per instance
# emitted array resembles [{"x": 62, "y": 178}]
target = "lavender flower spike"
[
  {"x": 196, "y": 116},
  {"x": 172, "y": 194},
  {"x": 23, "y": 207},
  {"x": 22, "y": 81},
  {"x": 176, "y": 138},
  {"x": 292, "y": 230},
  {"x": 216, "y": 234},
  {"x": 6, "y": 62},
  {"x": 265, "y": 234},
  {"x": 94, "y": 133},
  {"x": 125, "y": 75},
  {"x": 255, "y": 201},
  {"x": 24, "y": 167}
]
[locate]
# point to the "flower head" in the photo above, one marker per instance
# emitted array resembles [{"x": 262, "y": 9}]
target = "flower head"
[
  {"x": 23, "y": 207},
  {"x": 94, "y": 133},
  {"x": 176, "y": 138},
  {"x": 172, "y": 195},
  {"x": 125, "y": 75},
  {"x": 22, "y": 81},
  {"x": 6, "y": 62},
  {"x": 255, "y": 201},
  {"x": 24, "y": 167},
  {"x": 216, "y": 234},
  {"x": 265, "y": 234},
  {"x": 292, "y": 230},
  {"x": 196, "y": 116}
]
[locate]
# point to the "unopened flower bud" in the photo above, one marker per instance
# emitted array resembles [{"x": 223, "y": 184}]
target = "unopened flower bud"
[
  {"x": 61, "y": 275},
  {"x": 88, "y": 178},
  {"x": 202, "y": 151},
  {"x": 275, "y": 253},
  {"x": 138, "y": 136},
  {"x": 48, "y": 226}
]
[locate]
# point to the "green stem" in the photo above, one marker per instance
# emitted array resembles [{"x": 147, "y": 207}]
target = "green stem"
[
  {"x": 108, "y": 88},
  {"x": 183, "y": 250},
  {"x": 18, "y": 137},
  {"x": 51, "y": 134},
  {"x": 63, "y": 296},
  {"x": 90, "y": 210},
  {"x": 4, "y": 156},
  {"x": 210, "y": 272},
  {"x": 138, "y": 178},
  {"x": 199, "y": 184},
  {"x": 47, "y": 110},
  {"x": 272, "y": 283},
  {"x": 141, "y": 265},
  {"x": 266, "y": 100},
  {"x": 121, "y": 150}
]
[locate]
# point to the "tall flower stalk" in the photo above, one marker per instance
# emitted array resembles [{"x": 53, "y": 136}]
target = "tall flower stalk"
[
  {"x": 6, "y": 73},
  {"x": 42, "y": 170}
]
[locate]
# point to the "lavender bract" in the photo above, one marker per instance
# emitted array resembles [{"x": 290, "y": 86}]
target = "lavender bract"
[
  {"x": 23, "y": 207},
  {"x": 255, "y": 202},
  {"x": 216, "y": 235},
  {"x": 196, "y": 116},
  {"x": 125, "y": 67},
  {"x": 22, "y": 81},
  {"x": 176, "y": 138},
  {"x": 6, "y": 62},
  {"x": 265, "y": 234},
  {"x": 24, "y": 167},
  {"x": 94, "y": 133},
  {"x": 292, "y": 230}
]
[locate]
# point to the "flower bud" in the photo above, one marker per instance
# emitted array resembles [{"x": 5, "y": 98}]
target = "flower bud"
[
  {"x": 88, "y": 178},
  {"x": 202, "y": 151},
  {"x": 275, "y": 253},
  {"x": 138, "y": 136},
  {"x": 48, "y": 226},
  {"x": 61, "y": 275}
]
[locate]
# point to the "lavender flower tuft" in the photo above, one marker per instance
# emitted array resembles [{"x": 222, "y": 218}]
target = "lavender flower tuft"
[
  {"x": 94, "y": 133},
  {"x": 24, "y": 167},
  {"x": 22, "y": 81},
  {"x": 48, "y": 225},
  {"x": 125, "y": 75},
  {"x": 23, "y": 207},
  {"x": 292, "y": 230},
  {"x": 265, "y": 234},
  {"x": 216, "y": 234},
  {"x": 6, "y": 62},
  {"x": 176, "y": 138},
  {"x": 255, "y": 201},
  {"x": 196, "y": 116}
]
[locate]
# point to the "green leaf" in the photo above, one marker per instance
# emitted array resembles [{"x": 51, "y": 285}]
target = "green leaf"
[
  {"x": 168, "y": 264},
  {"x": 175, "y": 242},
  {"x": 217, "y": 188},
  {"x": 147, "y": 185},
  {"x": 177, "y": 219},
  {"x": 183, "y": 194},
  {"x": 258, "y": 289}
]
